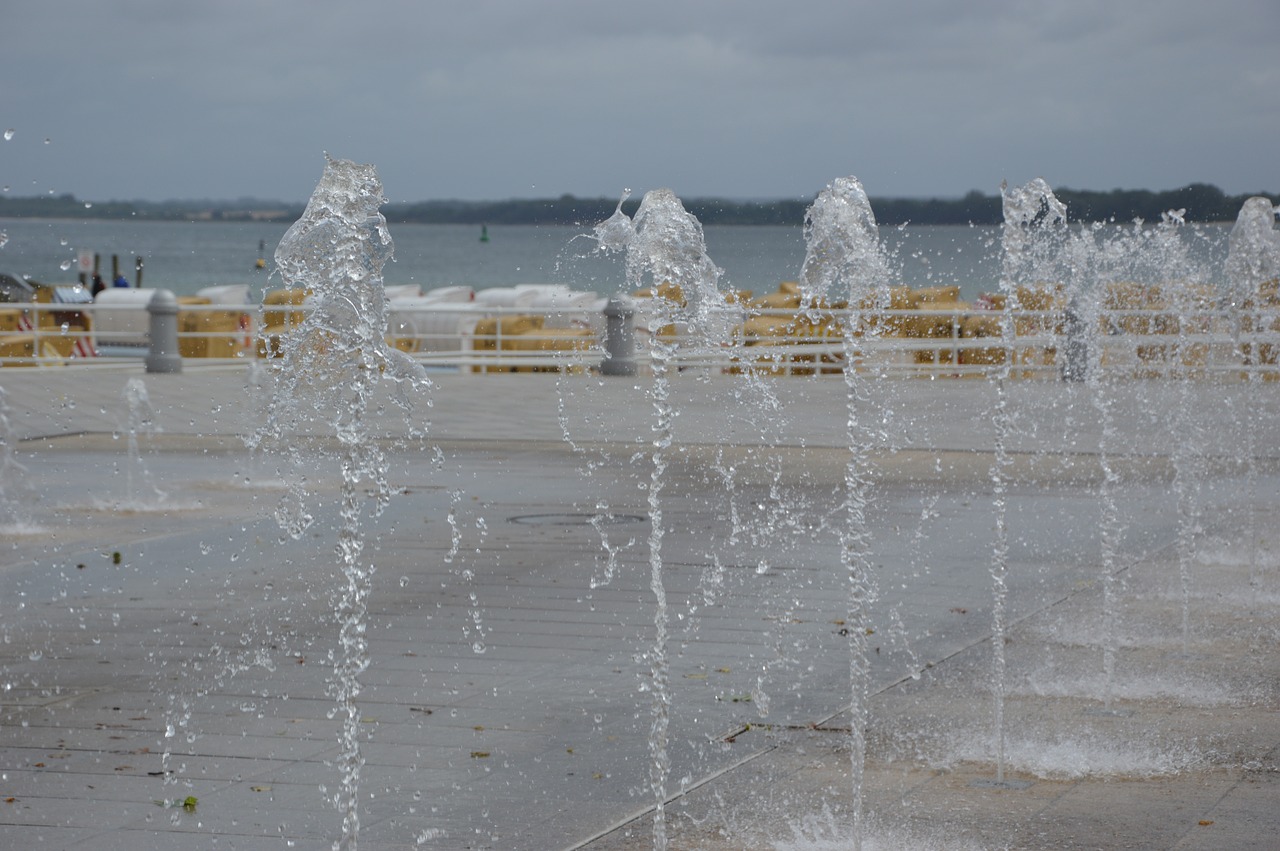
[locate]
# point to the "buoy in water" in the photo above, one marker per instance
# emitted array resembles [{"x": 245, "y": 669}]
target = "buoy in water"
[{"x": 484, "y": 233}]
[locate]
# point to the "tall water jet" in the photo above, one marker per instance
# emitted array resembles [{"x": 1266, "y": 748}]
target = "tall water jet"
[
  {"x": 141, "y": 422},
  {"x": 1165, "y": 250},
  {"x": 665, "y": 249},
  {"x": 1094, "y": 271},
  {"x": 1253, "y": 274},
  {"x": 1136, "y": 270},
  {"x": 1034, "y": 228},
  {"x": 331, "y": 364},
  {"x": 843, "y": 257},
  {"x": 1253, "y": 250}
]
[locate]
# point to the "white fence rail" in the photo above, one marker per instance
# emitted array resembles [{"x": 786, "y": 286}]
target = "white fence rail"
[{"x": 465, "y": 336}]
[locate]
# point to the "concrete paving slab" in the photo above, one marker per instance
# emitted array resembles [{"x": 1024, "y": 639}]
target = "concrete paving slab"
[{"x": 211, "y": 625}]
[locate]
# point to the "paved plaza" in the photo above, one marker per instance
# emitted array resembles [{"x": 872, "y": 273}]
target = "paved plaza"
[{"x": 167, "y": 659}]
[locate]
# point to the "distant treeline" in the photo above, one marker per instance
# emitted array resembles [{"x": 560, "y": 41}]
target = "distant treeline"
[{"x": 1201, "y": 201}]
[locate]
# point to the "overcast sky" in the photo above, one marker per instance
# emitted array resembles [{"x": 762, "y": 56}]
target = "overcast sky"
[{"x": 495, "y": 99}]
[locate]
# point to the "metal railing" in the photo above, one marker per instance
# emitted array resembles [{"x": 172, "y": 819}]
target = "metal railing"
[{"x": 931, "y": 343}]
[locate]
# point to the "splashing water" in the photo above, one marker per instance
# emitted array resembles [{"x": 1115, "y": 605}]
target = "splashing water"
[
  {"x": 141, "y": 421},
  {"x": 1147, "y": 255},
  {"x": 1253, "y": 250},
  {"x": 614, "y": 234},
  {"x": 668, "y": 247},
  {"x": 600, "y": 521},
  {"x": 1166, "y": 250},
  {"x": 474, "y": 631},
  {"x": 664, "y": 245},
  {"x": 843, "y": 254},
  {"x": 1032, "y": 237},
  {"x": 1100, "y": 395},
  {"x": 1099, "y": 263},
  {"x": 841, "y": 245},
  {"x": 1252, "y": 268},
  {"x": 455, "y": 533},
  {"x": 824, "y": 831},
  {"x": 1032, "y": 234},
  {"x": 331, "y": 364},
  {"x": 257, "y": 382}
]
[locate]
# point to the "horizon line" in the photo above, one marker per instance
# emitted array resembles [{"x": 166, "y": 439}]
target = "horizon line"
[{"x": 257, "y": 201}]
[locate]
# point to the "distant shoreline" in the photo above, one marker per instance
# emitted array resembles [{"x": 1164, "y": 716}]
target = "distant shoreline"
[{"x": 1202, "y": 203}]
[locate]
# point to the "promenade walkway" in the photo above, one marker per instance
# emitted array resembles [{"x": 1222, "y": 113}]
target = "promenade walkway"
[{"x": 160, "y": 647}]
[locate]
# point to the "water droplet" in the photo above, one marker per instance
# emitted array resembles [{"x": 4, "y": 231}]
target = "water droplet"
[
  {"x": 8, "y": 134},
  {"x": 35, "y": 656},
  {"x": 47, "y": 140},
  {"x": 64, "y": 265}
]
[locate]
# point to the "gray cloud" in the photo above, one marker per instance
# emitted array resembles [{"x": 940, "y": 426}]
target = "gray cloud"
[{"x": 497, "y": 98}]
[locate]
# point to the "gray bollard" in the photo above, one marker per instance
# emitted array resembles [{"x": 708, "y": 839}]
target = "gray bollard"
[
  {"x": 619, "y": 339},
  {"x": 163, "y": 333}
]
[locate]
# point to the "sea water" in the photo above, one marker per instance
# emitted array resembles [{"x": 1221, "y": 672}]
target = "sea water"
[{"x": 185, "y": 256}]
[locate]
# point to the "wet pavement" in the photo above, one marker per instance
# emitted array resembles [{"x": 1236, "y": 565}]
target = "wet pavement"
[{"x": 167, "y": 660}]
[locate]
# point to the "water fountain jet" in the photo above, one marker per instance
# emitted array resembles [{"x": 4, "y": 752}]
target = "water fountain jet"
[
  {"x": 1098, "y": 384},
  {"x": 843, "y": 255},
  {"x": 332, "y": 363},
  {"x": 141, "y": 422},
  {"x": 1252, "y": 272},
  {"x": 665, "y": 248},
  {"x": 1034, "y": 226}
]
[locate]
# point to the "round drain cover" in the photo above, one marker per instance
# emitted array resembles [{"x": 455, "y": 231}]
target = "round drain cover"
[{"x": 575, "y": 519}]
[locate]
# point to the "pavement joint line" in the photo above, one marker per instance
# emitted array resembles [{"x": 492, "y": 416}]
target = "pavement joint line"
[
  {"x": 686, "y": 791},
  {"x": 167, "y": 441}
]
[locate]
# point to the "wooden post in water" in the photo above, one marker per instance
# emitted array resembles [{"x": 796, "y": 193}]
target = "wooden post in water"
[{"x": 137, "y": 271}]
